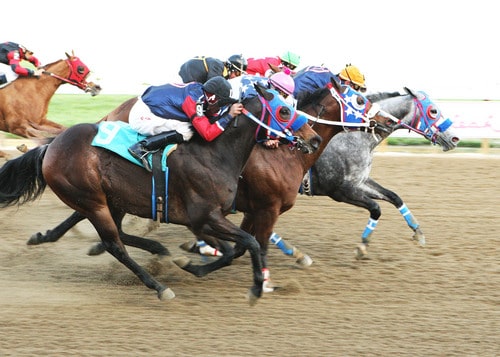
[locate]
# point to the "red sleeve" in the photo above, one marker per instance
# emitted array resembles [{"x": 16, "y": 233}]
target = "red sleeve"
[
  {"x": 14, "y": 62},
  {"x": 202, "y": 124},
  {"x": 35, "y": 61}
]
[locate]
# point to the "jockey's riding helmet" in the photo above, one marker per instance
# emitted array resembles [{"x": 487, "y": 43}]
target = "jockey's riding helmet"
[
  {"x": 290, "y": 59},
  {"x": 237, "y": 63},
  {"x": 352, "y": 74},
  {"x": 283, "y": 82},
  {"x": 218, "y": 88}
]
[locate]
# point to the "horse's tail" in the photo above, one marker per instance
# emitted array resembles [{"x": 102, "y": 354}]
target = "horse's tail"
[{"x": 21, "y": 179}]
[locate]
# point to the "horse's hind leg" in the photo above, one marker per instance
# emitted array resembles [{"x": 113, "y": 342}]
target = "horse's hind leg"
[
  {"x": 108, "y": 231},
  {"x": 148, "y": 245},
  {"x": 396, "y": 201},
  {"x": 53, "y": 235}
]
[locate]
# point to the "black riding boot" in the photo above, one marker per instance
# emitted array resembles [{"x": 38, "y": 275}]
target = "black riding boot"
[{"x": 141, "y": 149}]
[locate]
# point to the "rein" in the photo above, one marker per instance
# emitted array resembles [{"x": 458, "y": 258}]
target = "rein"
[
  {"x": 78, "y": 82},
  {"x": 261, "y": 123}
]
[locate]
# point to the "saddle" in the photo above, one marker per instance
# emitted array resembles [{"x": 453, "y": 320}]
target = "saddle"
[{"x": 117, "y": 136}]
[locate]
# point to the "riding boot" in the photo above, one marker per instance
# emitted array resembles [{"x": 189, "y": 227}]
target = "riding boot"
[{"x": 152, "y": 143}]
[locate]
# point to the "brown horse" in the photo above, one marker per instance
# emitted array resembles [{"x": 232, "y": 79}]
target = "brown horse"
[
  {"x": 203, "y": 180},
  {"x": 24, "y": 103},
  {"x": 271, "y": 178}
]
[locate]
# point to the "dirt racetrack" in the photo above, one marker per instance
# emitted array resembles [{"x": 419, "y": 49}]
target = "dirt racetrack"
[{"x": 441, "y": 300}]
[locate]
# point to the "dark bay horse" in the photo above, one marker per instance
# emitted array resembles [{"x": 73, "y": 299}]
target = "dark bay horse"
[
  {"x": 271, "y": 179},
  {"x": 103, "y": 187},
  {"x": 24, "y": 102}
]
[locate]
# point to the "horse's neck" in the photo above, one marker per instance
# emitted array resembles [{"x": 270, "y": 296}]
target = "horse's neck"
[
  {"x": 61, "y": 69},
  {"x": 327, "y": 132},
  {"x": 230, "y": 151},
  {"x": 402, "y": 107},
  {"x": 45, "y": 86}
]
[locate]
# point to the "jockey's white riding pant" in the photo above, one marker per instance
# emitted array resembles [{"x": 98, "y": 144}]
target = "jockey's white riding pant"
[
  {"x": 146, "y": 123},
  {"x": 9, "y": 73}
]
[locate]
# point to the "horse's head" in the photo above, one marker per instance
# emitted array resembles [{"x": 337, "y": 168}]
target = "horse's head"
[
  {"x": 284, "y": 122},
  {"x": 72, "y": 71},
  {"x": 78, "y": 72},
  {"x": 418, "y": 113},
  {"x": 435, "y": 127}
]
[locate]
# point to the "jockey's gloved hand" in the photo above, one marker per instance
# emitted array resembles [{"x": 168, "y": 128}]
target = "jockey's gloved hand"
[{"x": 225, "y": 120}]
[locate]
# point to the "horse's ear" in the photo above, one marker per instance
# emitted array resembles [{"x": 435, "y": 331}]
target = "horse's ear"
[
  {"x": 409, "y": 91},
  {"x": 67, "y": 55},
  {"x": 263, "y": 92},
  {"x": 73, "y": 53}
]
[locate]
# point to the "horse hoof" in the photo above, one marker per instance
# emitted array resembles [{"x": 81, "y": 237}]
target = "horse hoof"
[
  {"x": 361, "y": 251},
  {"x": 304, "y": 261},
  {"x": 22, "y": 148},
  {"x": 34, "y": 239},
  {"x": 182, "y": 261},
  {"x": 166, "y": 294},
  {"x": 96, "y": 249},
  {"x": 252, "y": 298},
  {"x": 189, "y": 247},
  {"x": 420, "y": 237}
]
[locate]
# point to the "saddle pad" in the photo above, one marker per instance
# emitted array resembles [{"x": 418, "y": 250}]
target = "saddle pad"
[{"x": 117, "y": 136}]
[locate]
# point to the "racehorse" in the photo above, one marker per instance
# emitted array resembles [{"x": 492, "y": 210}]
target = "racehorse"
[
  {"x": 271, "y": 178},
  {"x": 342, "y": 172},
  {"x": 24, "y": 102},
  {"x": 103, "y": 186}
]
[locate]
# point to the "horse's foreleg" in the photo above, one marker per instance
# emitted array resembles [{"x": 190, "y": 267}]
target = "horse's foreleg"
[
  {"x": 53, "y": 235},
  {"x": 302, "y": 259}
]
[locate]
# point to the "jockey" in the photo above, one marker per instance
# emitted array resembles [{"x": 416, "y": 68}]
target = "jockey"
[
  {"x": 168, "y": 113},
  {"x": 201, "y": 68},
  {"x": 261, "y": 66},
  {"x": 310, "y": 78},
  {"x": 12, "y": 54}
]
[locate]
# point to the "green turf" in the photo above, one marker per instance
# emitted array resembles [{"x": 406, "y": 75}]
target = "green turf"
[{"x": 71, "y": 109}]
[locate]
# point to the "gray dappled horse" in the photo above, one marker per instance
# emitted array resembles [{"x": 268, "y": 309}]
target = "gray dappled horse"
[{"x": 342, "y": 171}]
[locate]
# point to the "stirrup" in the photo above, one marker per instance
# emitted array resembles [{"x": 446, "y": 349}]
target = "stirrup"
[{"x": 141, "y": 155}]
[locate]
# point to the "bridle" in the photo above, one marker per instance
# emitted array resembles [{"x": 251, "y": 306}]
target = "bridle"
[
  {"x": 284, "y": 129},
  {"x": 426, "y": 124},
  {"x": 352, "y": 114},
  {"x": 78, "y": 71}
]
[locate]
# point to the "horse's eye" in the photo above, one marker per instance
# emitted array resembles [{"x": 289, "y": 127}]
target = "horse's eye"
[
  {"x": 80, "y": 69},
  {"x": 433, "y": 113},
  {"x": 359, "y": 103},
  {"x": 285, "y": 113}
]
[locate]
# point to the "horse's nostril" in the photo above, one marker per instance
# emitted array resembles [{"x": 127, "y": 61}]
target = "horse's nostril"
[
  {"x": 455, "y": 139},
  {"x": 317, "y": 142}
]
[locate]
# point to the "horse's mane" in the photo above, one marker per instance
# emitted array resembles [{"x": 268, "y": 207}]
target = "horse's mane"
[
  {"x": 306, "y": 98},
  {"x": 376, "y": 97}
]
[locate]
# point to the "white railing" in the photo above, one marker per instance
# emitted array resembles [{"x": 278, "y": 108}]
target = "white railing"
[{"x": 473, "y": 119}]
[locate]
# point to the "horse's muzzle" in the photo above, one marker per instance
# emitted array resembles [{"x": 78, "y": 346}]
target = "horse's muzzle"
[
  {"x": 308, "y": 146},
  {"x": 93, "y": 88}
]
